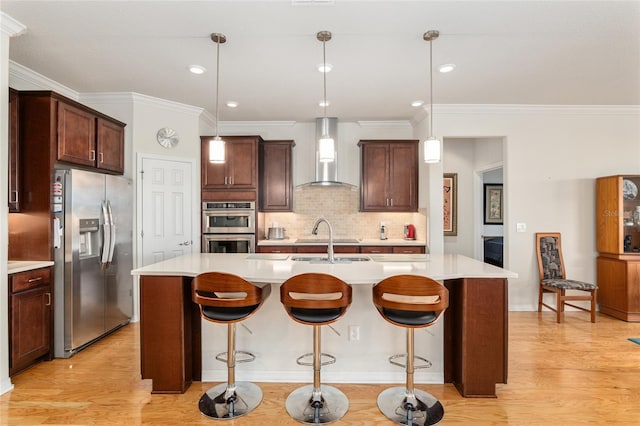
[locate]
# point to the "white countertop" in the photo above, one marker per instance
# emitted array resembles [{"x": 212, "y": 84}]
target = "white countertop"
[
  {"x": 15, "y": 266},
  {"x": 359, "y": 242},
  {"x": 277, "y": 268}
]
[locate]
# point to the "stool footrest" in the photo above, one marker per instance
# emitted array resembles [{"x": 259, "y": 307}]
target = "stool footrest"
[
  {"x": 244, "y": 357},
  {"x": 330, "y": 359},
  {"x": 425, "y": 362}
]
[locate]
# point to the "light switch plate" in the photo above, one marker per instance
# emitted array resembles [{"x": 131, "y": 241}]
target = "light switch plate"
[{"x": 521, "y": 227}]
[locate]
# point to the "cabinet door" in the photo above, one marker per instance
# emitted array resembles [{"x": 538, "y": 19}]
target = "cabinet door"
[
  {"x": 408, "y": 249},
  {"x": 14, "y": 153},
  {"x": 403, "y": 177},
  {"x": 242, "y": 165},
  {"x": 76, "y": 135},
  {"x": 110, "y": 146},
  {"x": 239, "y": 169},
  {"x": 376, "y": 249},
  {"x": 30, "y": 326},
  {"x": 276, "y": 187},
  {"x": 375, "y": 177}
]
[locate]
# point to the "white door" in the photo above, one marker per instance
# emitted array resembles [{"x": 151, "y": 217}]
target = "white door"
[{"x": 166, "y": 227}]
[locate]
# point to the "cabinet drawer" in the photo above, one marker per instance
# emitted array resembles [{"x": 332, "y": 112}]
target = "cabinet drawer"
[
  {"x": 376, "y": 249},
  {"x": 408, "y": 249},
  {"x": 30, "y": 279}
]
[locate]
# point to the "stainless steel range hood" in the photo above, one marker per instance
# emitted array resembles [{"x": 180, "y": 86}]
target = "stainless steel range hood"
[{"x": 326, "y": 172}]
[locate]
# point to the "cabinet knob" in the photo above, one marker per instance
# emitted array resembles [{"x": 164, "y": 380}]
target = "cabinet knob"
[
  {"x": 32, "y": 280},
  {"x": 48, "y": 299},
  {"x": 101, "y": 158},
  {"x": 92, "y": 155}
]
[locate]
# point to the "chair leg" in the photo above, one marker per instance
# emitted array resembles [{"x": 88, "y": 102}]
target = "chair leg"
[
  {"x": 230, "y": 400},
  {"x": 593, "y": 306},
  {"x": 560, "y": 306},
  {"x": 540, "y": 294},
  {"x": 407, "y": 405}
]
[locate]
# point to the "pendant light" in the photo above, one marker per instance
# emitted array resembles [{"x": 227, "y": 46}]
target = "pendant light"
[
  {"x": 431, "y": 144},
  {"x": 217, "y": 145},
  {"x": 326, "y": 144}
]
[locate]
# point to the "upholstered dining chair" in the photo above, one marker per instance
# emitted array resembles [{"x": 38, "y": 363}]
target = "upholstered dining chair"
[{"x": 553, "y": 278}]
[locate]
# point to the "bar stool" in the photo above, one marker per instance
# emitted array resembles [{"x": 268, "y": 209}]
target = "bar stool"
[
  {"x": 316, "y": 300},
  {"x": 410, "y": 301},
  {"x": 228, "y": 299}
]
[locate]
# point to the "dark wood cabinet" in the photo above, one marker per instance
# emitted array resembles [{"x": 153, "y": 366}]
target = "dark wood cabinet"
[
  {"x": 389, "y": 180},
  {"x": 276, "y": 183},
  {"x": 240, "y": 169},
  {"x": 88, "y": 140},
  {"x": 618, "y": 245},
  {"x": 30, "y": 318},
  {"x": 54, "y": 131},
  {"x": 14, "y": 152},
  {"x": 341, "y": 249},
  {"x": 77, "y": 134}
]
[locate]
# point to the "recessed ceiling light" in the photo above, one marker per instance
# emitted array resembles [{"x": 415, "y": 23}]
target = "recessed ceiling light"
[
  {"x": 446, "y": 68},
  {"x": 324, "y": 103},
  {"x": 232, "y": 104},
  {"x": 417, "y": 103},
  {"x": 325, "y": 67},
  {"x": 197, "y": 69}
]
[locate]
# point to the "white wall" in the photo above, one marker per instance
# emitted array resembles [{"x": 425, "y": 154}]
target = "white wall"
[{"x": 552, "y": 156}]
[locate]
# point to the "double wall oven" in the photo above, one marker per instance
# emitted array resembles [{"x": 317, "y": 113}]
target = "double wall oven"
[{"x": 228, "y": 226}]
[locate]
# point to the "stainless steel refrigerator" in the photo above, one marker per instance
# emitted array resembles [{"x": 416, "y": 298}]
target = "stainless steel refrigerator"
[{"x": 93, "y": 257}]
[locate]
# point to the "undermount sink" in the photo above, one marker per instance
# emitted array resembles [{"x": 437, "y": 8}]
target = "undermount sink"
[
  {"x": 326, "y": 240},
  {"x": 316, "y": 259}
]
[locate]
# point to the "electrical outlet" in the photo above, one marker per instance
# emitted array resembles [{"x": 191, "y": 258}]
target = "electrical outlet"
[
  {"x": 521, "y": 227},
  {"x": 354, "y": 332}
]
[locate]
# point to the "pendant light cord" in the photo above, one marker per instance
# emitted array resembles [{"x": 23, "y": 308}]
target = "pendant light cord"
[
  {"x": 217, "y": 82},
  {"x": 430, "y": 89},
  {"x": 324, "y": 77}
]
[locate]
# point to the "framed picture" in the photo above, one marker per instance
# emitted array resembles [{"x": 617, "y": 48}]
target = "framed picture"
[
  {"x": 450, "y": 203},
  {"x": 493, "y": 204}
]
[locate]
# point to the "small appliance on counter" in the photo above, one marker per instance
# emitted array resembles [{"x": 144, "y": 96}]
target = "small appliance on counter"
[
  {"x": 409, "y": 232},
  {"x": 275, "y": 233},
  {"x": 383, "y": 231}
]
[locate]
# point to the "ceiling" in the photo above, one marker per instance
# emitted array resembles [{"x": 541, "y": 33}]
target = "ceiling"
[{"x": 506, "y": 52}]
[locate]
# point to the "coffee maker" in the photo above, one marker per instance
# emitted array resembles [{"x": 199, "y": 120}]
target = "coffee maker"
[{"x": 409, "y": 232}]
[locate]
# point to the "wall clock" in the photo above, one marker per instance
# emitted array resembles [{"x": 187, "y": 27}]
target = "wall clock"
[{"x": 167, "y": 137}]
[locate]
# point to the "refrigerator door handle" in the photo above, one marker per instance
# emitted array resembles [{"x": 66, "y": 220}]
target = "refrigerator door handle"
[
  {"x": 113, "y": 232},
  {"x": 106, "y": 241}
]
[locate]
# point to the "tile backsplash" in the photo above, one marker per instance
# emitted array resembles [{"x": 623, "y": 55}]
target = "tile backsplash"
[{"x": 339, "y": 205}]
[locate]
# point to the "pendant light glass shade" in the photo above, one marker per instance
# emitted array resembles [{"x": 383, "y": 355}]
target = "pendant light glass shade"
[
  {"x": 326, "y": 144},
  {"x": 431, "y": 144},
  {"x": 431, "y": 150},
  {"x": 217, "y": 150},
  {"x": 217, "y": 145}
]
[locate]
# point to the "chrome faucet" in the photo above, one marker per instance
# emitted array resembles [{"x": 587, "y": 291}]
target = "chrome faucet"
[{"x": 314, "y": 231}]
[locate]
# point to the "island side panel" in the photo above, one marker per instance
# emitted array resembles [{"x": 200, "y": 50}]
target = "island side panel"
[
  {"x": 476, "y": 335},
  {"x": 166, "y": 338}
]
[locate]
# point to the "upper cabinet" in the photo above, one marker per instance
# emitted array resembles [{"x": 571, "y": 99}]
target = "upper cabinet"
[
  {"x": 240, "y": 169},
  {"x": 78, "y": 135},
  {"x": 88, "y": 140},
  {"x": 14, "y": 152},
  {"x": 276, "y": 183},
  {"x": 389, "y": 180},
  {"x": 618, "y": 214}
]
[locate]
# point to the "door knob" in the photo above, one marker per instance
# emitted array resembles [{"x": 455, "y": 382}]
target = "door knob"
[{"x": 185, "y": 243}]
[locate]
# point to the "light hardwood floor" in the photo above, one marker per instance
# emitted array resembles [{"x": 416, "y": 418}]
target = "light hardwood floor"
[{"x": 559, "y": 374}]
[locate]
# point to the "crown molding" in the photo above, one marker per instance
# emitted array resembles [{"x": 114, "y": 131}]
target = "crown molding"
[
  {"x": 384, "y": 123},
  {"x": 21, "y": 77},
  {"x": 536, "y": 109},
  {"x": 10, "y": 26},
  {"x": 140, "y": 99},
  {"x": 257, "y": 123}
]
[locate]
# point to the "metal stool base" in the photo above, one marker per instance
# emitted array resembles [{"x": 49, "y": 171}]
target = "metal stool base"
[
  {"x": 214, "y": 402},
  {"x": 429, "y": 410},
  {"x": 333, "y": 406}
]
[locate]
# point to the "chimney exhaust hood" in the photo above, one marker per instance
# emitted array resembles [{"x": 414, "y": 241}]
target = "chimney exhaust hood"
[{"x": 326, "y": 171}]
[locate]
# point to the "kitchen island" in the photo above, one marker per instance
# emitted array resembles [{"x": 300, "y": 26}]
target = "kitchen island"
[{"x": 469, "y": 348}]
